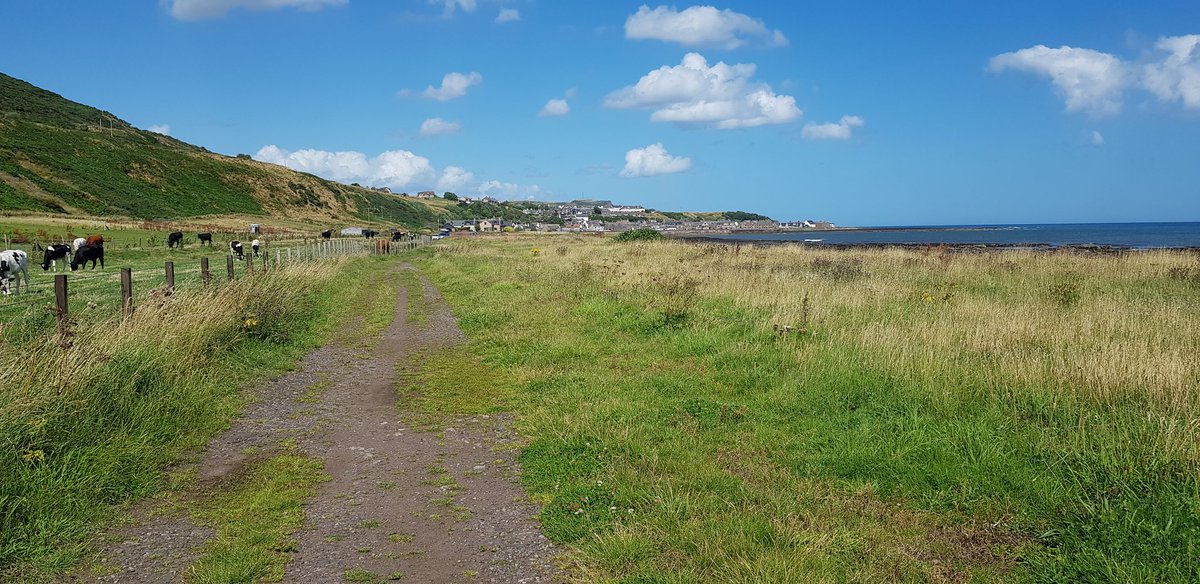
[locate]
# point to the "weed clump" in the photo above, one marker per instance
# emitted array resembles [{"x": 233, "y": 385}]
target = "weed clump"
[
  {"x": 643, "y": 234},
  {"x": 839, "y": 269},
  {"x": 1066, "y": 293}
]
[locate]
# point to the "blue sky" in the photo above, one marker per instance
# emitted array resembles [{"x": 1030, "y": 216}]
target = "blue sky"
[{"x": 863, "y": 113}]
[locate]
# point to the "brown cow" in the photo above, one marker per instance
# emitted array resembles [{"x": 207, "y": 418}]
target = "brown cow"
[{"x": 95, "y": 240}]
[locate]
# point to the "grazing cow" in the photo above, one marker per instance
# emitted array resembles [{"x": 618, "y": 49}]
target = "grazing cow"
[
  {"x": 235, "y": 248},
  {"x": 78, "y": 243},
  {"x": 95, "y": 240},
  {"x": 327, "y": 233},
  {"x": 254, "y": 246},
  {"x": 13, "y": 263},
  {"x": 175, "y": 238},
  {"x": 88, "y": 253},
  {"x": 205, "y": 238},
  {"x": 54, "y": 253},
  {"x": 369, "y": 233}
]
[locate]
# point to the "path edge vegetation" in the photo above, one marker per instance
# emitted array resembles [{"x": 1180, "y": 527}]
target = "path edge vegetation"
[
  {"x": 88, "y": 426},
  {"x": 904, "y": 463}
]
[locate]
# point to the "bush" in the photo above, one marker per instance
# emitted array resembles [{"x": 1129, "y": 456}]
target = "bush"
[{"x": 640, "y": 235}]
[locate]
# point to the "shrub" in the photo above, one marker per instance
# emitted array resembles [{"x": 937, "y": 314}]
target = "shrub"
[{"x": 640, "y": 235}]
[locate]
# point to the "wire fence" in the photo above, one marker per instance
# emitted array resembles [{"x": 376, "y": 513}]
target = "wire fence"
[{"x": 94, "y": 285}]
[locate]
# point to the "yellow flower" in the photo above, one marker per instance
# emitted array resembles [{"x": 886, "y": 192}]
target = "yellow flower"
[
  {"x": 535, "y": 251},
  {"x": 33, "y": 455}
]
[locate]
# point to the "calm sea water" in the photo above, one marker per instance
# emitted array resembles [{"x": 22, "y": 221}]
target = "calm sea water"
[{"x": 1132, "y": 235}]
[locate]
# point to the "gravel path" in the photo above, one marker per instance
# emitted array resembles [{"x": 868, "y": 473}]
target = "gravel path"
[{"x": 418, "y": 506}]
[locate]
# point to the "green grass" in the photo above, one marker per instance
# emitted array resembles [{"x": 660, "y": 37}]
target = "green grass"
[
  {"x": 90, "y": 428},
  {"x": 676, "y": 437},
  {"x": 253, "y": 521}
]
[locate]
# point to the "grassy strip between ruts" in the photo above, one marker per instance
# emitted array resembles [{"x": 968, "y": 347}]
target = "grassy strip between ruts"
[
  {"x": 90, "y": 423},
  {"x": 708, "y": 413},
  {"x": 254, "y": 521}
]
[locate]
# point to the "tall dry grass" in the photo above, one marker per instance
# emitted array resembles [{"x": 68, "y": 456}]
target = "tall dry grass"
[{"x": 90, "y": 413}]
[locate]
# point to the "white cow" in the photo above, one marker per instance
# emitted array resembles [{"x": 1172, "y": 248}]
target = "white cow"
[
  {"x": 13, "y": 263},
  {"x": 78, "y": 243},
  {"x": 254, "y": 246}
]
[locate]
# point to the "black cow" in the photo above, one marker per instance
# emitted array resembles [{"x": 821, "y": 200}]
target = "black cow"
[
  {"x": 205, "y": 238},
  {"x": 54, "y": 253},
  {"x": 327, "y": 233},
  {"x": 235, "y": 248},
  {"x": 88, "y": 253},
  {"x": 369, "y": 233},
  {"x": 398, "y": 236},
  {"x": 175, "y": 238}
]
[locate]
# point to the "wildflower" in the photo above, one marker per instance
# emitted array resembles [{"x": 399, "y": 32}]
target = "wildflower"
[
  {"x": 535, "y": 251},
  {"x": 32, "y": 456}
]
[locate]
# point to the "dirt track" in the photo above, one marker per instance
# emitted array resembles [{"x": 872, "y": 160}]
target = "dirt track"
[{"x": 421, "y": 506}]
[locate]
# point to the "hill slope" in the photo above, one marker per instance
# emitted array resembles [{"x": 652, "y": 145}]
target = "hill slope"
[{"x": 56, "y": 158}]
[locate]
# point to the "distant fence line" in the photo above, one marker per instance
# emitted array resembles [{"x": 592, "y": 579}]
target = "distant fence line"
[{"x": 264, "y": 263}]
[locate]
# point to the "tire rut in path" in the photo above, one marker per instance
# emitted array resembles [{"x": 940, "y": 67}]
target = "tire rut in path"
[{"x": 421, "y": 506}]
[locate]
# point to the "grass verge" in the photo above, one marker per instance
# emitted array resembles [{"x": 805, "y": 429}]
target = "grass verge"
[
  {"x": 90, "y": 423},
  {"x": 711, "y": 413}
]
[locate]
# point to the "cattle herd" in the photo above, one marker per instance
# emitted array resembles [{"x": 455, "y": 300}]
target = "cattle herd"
[{"x": 14, "y": 263}]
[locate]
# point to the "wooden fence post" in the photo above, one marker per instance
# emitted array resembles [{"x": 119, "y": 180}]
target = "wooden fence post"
[
  {"x": 60, "y": 298},
  {"x": 276, "y": 258},
  {"x": 169, "y": 267},
  {"x": 229, "y": 267},
  {"x": 250, "y": 264},
  {"x": 126, "y": 292},
  {"x": 205, "y": 276}
]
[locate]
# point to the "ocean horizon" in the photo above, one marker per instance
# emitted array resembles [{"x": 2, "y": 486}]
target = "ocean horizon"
[{"x": 1149, "y": 235}]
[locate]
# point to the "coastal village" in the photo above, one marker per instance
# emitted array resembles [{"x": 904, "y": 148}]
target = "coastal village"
[{"x": 487, "y": 214}]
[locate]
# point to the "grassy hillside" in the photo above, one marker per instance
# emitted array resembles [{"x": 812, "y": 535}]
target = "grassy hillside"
[{"x": 56, "y": 159}]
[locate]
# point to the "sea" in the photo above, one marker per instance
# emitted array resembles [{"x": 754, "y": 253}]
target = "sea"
[{"x": 1117, "y": 235}]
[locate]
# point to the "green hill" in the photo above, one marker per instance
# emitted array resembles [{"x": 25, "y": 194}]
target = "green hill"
[{"x": 59, "y": 157}]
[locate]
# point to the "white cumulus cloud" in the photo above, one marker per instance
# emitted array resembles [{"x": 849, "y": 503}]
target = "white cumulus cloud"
[
  {"x": 208, "y": 9},
  {"x": 555, "y": 107},
  {"x": 723, "y": 96},
  {"x": 398, "y": 169},
  {"x": 164, "y": 129},
  {"x": 454, "y": 85},
  {"x": 700, "y": 26},
  {"x": 653, "y": 160},
  {"x": 451, "y": 6},
  {"x": 508, "y": 15},
  {"x": 1088, "y": 80},
  {"x": 832, "y": 131},
  {"x": 455, "y": 179},
  {"x": 508, "y": 191},
  {"x": 1177, "y": 76},
  {"x": 439, "y": 127}
]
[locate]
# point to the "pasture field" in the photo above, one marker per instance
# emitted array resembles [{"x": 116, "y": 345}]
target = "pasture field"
[
  {"x": 91, "y": 414},
  {"x": 95, "y": 294},
  {"x": 787, "y": 414}
]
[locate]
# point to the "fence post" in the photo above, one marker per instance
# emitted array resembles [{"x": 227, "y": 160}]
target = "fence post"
[
  {"x": 60, "y": 298},
  {"x": 170, "y": 269},
  {"x": 289, "y": 255},
  {"x": 276, "y": 258},
  {"x": 205, "y": 276},
  {"x": 250, "y": 264},
  {"x": 229, "y": 267},
  {"x": 126, "y": 292}
]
